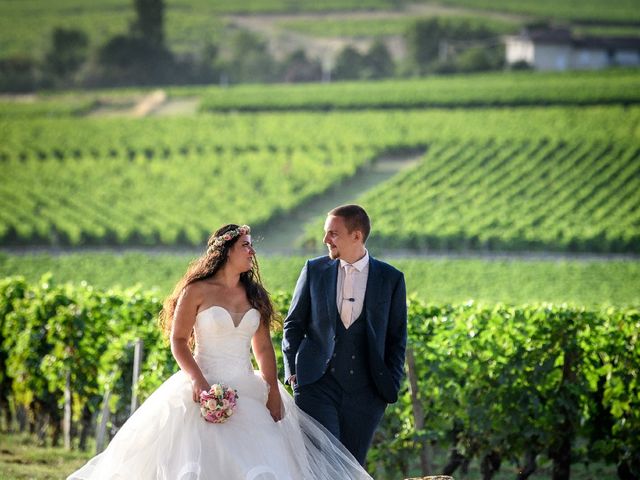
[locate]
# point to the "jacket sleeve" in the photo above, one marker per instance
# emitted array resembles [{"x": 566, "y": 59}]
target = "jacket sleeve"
[
  {"x": 295, "y": 325},
  {"x": 396, "y": 338}
]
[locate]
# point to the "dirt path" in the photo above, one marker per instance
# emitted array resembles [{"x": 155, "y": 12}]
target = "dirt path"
[{"x": 177, "y": 106}]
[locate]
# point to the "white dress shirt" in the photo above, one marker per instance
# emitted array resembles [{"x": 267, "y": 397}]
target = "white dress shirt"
[{"x": 360, "y": 274}]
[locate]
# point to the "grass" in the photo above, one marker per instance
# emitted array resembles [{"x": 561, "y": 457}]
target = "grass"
[
  {"x": 435, "y": 280},
  {"x": 22, "y": 459},
  {"x": 377, "y": 27}
]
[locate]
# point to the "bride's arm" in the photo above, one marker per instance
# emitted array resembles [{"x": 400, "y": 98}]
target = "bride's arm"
[
  {"x": 266, "y": 358},
  {"x": 184, "y": 318}
]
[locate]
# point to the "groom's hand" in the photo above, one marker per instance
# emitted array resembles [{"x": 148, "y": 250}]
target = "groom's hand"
[{"x": 291, "y": 380}]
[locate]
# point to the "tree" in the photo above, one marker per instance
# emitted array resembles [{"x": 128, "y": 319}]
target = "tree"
[
  {"x": 377, "y": 61},
  {"x": 250, "y": 59},
  {"x": 423, "y": 42},
  {"x": 349, "y": 64},
  {"x": 17, "y": 74},
  {"x": 69, "y": 50},
  {"x": 126, "y": 60},
  {"x": 298, "y": 68},
  {"x": 149, "y": 23}
]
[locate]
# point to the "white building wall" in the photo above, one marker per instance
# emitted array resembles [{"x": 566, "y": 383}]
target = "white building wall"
[
  {"x": 518, "y": 50},
  {"x": 561, "y": 56},
  {"x": 589, "y": 59},
  {"x": 552, "y": 57},
  {"x": 627, "y": 58}
]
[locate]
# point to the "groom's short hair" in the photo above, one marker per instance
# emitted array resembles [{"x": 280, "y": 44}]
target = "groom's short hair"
[{"x": 355, "y": 218}]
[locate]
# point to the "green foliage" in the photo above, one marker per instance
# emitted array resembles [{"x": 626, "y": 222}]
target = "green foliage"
[
  {"x": 25, "y": 26},
  {"x": 375, "y": 63},
  {"x": 68, "y": 52},
  {"x": 132, "y": 198},
  {"x": 615, "y": 11},
  {"x": 591, "y": 283},
  {"x": 250, "y": 60},
  {"x": 166, "y": 181},
  {"x": 429, "y": 40},
  {"x": 511, "y": 381},
  {"x": 149, "y": 23},
  {"x": 501, "y": 380},
  {"x": 389, "y": 26},
  {"x": 348, "y": 64},
  {"x": 488, "y": 89},
  {"x": 576, "y": 196},
  {"x": 18, "y": 74}
]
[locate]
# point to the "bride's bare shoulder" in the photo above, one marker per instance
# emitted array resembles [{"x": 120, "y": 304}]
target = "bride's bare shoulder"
[
  {"x": 193, "y": 294},
  {"x": 200, "y": 292}
]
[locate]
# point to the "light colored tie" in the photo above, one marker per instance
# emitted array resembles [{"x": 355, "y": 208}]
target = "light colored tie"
[{"x": 347, "y": 296}]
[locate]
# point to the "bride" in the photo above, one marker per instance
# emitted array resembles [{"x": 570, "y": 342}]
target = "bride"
[{"x": 221, "y": 309}]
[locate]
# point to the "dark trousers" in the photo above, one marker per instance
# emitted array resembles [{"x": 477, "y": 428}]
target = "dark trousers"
[{"x": 352, "y": 417}]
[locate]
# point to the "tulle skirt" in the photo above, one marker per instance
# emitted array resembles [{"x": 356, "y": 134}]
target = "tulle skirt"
[{"x": 167, "y": 439}]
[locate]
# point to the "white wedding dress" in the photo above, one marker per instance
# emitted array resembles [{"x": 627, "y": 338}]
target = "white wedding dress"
[{"x": 167, "y": 438}]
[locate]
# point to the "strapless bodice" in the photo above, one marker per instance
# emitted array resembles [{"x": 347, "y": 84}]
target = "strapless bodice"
[{"x": 223, "y": 349}]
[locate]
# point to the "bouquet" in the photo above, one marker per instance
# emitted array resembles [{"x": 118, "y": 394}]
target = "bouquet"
[{"x": 218, "y": 404}]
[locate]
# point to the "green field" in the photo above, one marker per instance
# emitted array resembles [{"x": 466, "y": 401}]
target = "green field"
[
  {"x": 438, "y": 280},
  {"x": 26, "y": 26},
  {"x": 623, "y": 11},
  {"x": 477, "y": 90},
  {"x": 22, "y": 459},
  {"x": 380, "y": 27},
  {"x": 496, "y": 374},
  {"x": 166, "y": 181},
  {"x": 138, "y": 200},
  {"x": 503, "y": 195}
]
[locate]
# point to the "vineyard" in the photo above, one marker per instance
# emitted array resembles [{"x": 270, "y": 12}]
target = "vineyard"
[
  {"x": 26, "y": 26},
  {"x": 621, "y": 11},
  {"x": 378, "y": 27},
  {"x": 118, "y": 200},
  {"x": 479, "y": 90},
  {"x": 549, "y": 182},
  {"x": 538, "y": 195},
  {"x": 492, "y": 384},
  {"x": 517, "y": 228},
  {"x": 592, "y": 284}
]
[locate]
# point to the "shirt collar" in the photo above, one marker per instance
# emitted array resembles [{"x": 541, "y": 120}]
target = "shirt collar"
[{"x": 360, "y": 264}]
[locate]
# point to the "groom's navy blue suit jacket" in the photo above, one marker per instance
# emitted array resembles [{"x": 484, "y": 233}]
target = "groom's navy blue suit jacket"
[{"x": 309, "y": 329}]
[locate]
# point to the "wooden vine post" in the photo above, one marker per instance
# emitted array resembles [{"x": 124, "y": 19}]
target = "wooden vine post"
[{"x": 418, "y": 411}]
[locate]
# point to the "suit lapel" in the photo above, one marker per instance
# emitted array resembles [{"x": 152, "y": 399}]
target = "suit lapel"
[
  {"x": 374, "y": 284},
  {"x": 329, "y": 283}
]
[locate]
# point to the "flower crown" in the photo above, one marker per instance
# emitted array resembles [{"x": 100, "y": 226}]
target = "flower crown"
[{"x": 225, "y": 237}]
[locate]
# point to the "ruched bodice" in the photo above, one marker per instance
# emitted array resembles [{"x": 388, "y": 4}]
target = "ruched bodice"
[{"x": 223, "y": 350}]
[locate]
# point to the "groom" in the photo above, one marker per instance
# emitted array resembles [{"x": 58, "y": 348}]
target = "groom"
[{"x": 345, "y": 334}]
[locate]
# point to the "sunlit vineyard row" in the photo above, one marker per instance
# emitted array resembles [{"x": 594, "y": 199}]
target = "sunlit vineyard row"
[
  {"x": 493, "y": 89},
  {"x": 589, "y": 11},
  {"x": 609, "y": 87},
  {"x": 503, "y": 195},
  {"x": 73, "y": 181},
  {"x": 383, "y": 26},
  {"x": 75, "y": 138},
  {"x": 439, "y": 280},
  {"x": 160, "y": 201}
]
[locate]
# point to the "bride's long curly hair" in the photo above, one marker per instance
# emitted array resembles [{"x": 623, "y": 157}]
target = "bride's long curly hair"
[{"x": 207, "y": 266}]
